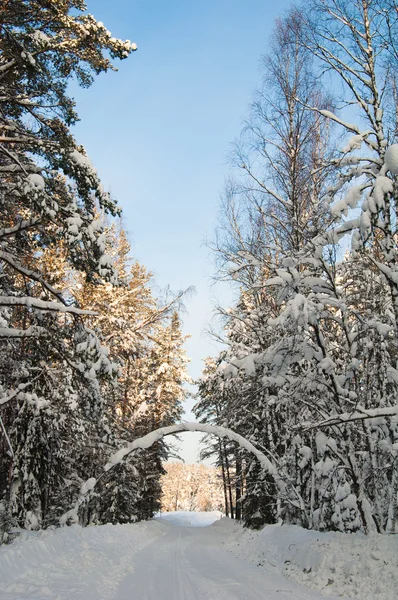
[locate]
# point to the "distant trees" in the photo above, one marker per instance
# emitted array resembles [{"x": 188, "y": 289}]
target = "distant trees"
[
  {"x": 309, "y": 374},
  {"x": 191, "y": 488}
]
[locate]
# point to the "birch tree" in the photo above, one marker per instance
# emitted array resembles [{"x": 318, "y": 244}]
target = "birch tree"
[{"x": 329, "y": 364}]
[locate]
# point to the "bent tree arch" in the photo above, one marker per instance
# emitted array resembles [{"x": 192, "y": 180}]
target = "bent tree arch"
[{"x": 151, "y": 438}]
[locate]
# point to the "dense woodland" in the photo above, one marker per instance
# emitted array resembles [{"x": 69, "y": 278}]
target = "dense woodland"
[
  {"x": 309, "y": 237},
  {"x": 92, "y": 359}
]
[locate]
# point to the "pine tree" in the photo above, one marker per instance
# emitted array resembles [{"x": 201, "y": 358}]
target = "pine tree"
[
  {"x": 51, "y": 362},
  {"x": 163, "y": 372}
]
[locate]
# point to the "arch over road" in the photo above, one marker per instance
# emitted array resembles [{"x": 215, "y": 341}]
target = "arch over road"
[{"x": 151, "y": 438}]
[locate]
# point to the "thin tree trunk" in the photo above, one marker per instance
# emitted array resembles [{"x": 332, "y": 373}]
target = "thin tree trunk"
[
  {"x": 229, "y": 485},
  {"x": 238, "y": 484},
  {"x": 224, "y": 480}
]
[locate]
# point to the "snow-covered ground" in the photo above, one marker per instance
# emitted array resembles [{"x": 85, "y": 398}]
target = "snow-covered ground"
[
  {"x": 355, "y": 565},
  {"x": 189, "y": 518},
  {"x": 73, "y": 563},
  {"x": 162, "y": 560}
]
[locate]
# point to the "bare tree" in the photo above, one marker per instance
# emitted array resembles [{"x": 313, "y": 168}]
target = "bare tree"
[{"x": 273, "y": 205}]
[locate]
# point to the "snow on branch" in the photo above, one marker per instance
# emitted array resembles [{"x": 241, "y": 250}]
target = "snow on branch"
[
  {"x": 30, "y": 302},
  {"x": 151, "y": 438},
  {"x": 222, "y": 432},
  {"x": 329, "y": 115},
  {"x": 33, "y": 331},
  {"x": 21, "y": 387},
  {"x": 21, "y": 226},
  {"x": 10, "y": 260},
  {"x": 360, "y": 414}
]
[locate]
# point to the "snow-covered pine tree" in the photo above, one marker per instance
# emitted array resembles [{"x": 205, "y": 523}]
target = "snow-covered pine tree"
[
  {"x": 164, "y": 375},
  {"x": 50, "y": 360}
]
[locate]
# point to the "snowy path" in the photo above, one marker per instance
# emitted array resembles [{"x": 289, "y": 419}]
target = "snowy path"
[
  {"x": 189, "y": 563},
  {"x": 166, "y": 559}
]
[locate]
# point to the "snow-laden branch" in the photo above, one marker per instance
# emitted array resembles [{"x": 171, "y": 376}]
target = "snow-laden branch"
[
  {"x": 151, "y": 438},
  {"x": 22, "y": 225},
  {"x": 17, "y": 140},
  {"x": 20, "y": 388},
  {"x": 361, "y": 414},
  {"x": 5, "y": 67},
  {"x": 329, "y": 115},
  {"x": 33, "y": 331},
  {"x": 222, "y": 432},
  {"x": 30, "y": 302},
  {"x": 13, "y": 262}
]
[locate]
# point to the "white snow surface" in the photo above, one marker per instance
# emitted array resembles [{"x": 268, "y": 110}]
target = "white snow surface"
[
  {"x": 73, "y": 563},
  {"x": 176, "y": 557},
  {"x": 337, "y": 564},
  {"x": 190, "y": 518}
]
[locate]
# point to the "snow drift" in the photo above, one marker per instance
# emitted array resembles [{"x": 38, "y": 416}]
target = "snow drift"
[
  {"x": 73, "y": 562},
  {"x": 350, "y": 565}
]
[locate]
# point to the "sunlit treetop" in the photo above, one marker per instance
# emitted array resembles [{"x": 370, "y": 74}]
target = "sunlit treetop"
[{"x": 43, "y": 45}]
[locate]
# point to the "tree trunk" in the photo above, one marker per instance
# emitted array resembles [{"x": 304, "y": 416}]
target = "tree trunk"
[
  {"x": 238, "y": 485},
  {"x": 224, "y": 480}
]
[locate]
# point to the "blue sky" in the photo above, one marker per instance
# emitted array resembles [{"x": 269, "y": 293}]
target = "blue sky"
[{"x": 159, "y": 132}]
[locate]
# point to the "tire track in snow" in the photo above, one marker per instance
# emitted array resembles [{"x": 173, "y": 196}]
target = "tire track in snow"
[{"x": 190, "y": 563}]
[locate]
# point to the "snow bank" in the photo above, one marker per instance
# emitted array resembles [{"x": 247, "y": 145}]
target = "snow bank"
[
  {"x": 190, "y": 518},
  {"x": 350, "y": 565},
  {"x": 72, "y": 562}
]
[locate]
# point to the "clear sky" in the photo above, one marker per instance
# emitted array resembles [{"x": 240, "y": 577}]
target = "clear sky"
[{"x": 159, "y": 131}]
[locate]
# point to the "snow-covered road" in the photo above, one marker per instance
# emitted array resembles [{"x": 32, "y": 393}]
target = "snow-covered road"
[
  {"x": 166, "y": 559},
  {"x": 189, "y": 563}
]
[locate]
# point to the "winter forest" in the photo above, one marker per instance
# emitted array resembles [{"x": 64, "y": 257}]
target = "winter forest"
[
  {"x": 309, "y": 237},
  {"x": 302, "y": 392}
]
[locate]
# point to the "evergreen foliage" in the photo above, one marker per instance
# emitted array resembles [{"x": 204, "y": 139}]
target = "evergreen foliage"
[{"x": 77, "y": 316}]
